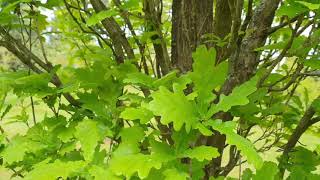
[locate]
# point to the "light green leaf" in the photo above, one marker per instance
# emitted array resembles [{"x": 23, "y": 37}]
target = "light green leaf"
[
  {"x": 166, "y": 80},
  {"x": 244, "y": 145},
  {"x": 137, "y": 113},
  {"x": 35, "y": 84},
  {"x": 175, "y": 174},
  {"x": 203, "y": 129},
  {"x": 201, "y": 153},
  {"x": 87, "y": 132},
  {"x": 35, "y": 79},
  {"x": 69, "y": 88},
  {"x": 139, "y": 78},
  {"x": 96, "y": 18},
  {"x": 102, "y": 173},
  {"x": 291, "y": 9},
  {"x": 247, "y": 174},
  {"x": 93, "y": 103},
  {"x": 181, "y": 83},
  {"x": 17, "y": 148},
  {"x": 65, "y": 134},
  {"x": 206, "y": 76},
  {"x": 279, "y": 45},
  {"x": 173, "y": 107},
  {"x": 132, "y": 98},
  {"x": 239, "y": 96},
  {"x": 129, "y": 164},
  {"x": 311, "y": 6},
  {"x": 132, "y": 134},
  {"x": 55, "y": 170},
  {"x": 6, "y": 19},
  {"x": 162, "y": 149},
  {"x": 130, "y": 138},
  {"x": 15, "y": 151}
]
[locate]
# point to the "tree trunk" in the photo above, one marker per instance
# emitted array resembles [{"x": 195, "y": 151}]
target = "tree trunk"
[
  {"x": 243, "y": 63},
  {"x": 191, "y": 19}
]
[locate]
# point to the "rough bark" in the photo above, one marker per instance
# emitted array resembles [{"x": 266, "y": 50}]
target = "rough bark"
[
  {"x": 191, "y": 19},
  {"x": 115, "y": 33},
  {"x": 244, "y": 60},
  {"x": 242, "y": 66},
  {"x": 153, "y": 11},
  {"x": 221, "y": 26}
]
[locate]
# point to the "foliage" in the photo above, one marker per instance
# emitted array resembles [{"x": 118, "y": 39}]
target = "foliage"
[{"x": 114, "y": 110}]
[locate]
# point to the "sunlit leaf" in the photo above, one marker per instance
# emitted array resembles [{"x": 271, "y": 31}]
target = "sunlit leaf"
[{"x": 173, "y": 107}]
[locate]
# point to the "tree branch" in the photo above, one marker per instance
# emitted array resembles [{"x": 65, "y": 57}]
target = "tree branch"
[
  {"x": 275, "y": 28},
  {"x": 153, "y": 19},
  {"x": 26, "y": 57},
  {"x": 115, "y": 33},
  {"x": 305, "y": 122}
]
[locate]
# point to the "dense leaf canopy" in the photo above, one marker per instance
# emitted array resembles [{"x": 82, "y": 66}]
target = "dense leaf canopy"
[{"x": 159, "y": 89}]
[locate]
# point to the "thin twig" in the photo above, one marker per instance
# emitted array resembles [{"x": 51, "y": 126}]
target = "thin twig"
[{"x": 30, "y": 49}]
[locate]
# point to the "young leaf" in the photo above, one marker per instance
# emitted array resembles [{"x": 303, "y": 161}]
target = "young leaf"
[
  {"x": 312, "y": 63},
  {"x": 201, "y": 153},
  {"x": 55, "y": 170},
  {"x": 139, "y": 78},
  {"x": 87, "y": 132},
  {"x": 129, "y": 164},
  {"x": 206, "y": 76},
  {"x": 137, "y": 113},
  {"x": 166, "y": 80},
  {"x": 130, "y": 138},
  {"x": 96, "y": 18},
  {"x": 239, "y": 96},
  {"x": 102, "y": 173},
  {"x": 291, "y": 9},
  {"x": 18, "y": 147},
  {"x": 173, "y": 107},
  {"x": 244, "y": 145},
  {"x": 175, "y": 174},
  {"x": 311, "y": 6}
]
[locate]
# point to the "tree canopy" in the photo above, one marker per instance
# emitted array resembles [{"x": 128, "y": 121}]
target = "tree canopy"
[{"x": 160, "y": 89}]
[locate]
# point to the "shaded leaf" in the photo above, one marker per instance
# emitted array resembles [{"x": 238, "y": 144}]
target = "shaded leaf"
[
  {"x": 268, "y": 171},
  {"x": 244, "y": 145},
  {"x": 139, "y": 78}
]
